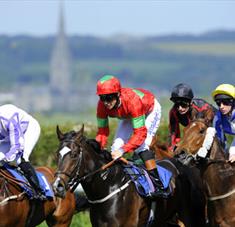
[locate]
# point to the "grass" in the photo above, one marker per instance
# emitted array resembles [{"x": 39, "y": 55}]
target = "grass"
[{"x": 79, "y": 220}]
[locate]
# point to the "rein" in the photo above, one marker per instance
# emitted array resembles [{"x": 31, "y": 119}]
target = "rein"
[
  {"x": 102, "y": 168},
  {"x": 10, "y": 178},
  {"x": 75, "y": 180}
]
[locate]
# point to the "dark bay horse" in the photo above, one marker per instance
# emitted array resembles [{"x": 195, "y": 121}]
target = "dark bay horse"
[
  {"x": 217, "y": 173},
  {"x": 113, "y": 198},
  {"x": 18, "y": 211}
]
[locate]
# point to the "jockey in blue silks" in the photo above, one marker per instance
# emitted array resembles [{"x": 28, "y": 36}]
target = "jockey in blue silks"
[
  {"x": 19, "y": 132},
  {"x": 224, "y": 120}
]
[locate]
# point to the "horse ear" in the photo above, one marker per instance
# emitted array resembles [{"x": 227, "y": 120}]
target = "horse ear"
[
  {"x": 60, "y": 135},
  {"x": 209, "y": 116},
  {"x": 82, "y": 129}
]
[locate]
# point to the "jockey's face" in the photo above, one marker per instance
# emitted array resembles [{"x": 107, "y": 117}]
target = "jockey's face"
[
  {"x": 109, "y": 100},
  {"x": 182, "y": 106},
  {"x": 225, "y": 105}
]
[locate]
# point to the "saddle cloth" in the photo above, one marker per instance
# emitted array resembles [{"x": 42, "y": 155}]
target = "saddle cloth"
[
  {"x": 142, "y": 180},
  {"x": 48, "y": 192}
]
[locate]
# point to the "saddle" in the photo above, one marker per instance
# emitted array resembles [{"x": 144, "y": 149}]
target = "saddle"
[
  {"x": 25, "y": 185},
  {"x": 144, "y": 182}
]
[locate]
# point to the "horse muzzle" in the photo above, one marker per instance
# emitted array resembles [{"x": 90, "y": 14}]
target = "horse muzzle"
[
  {"x": 59, "y": 188},
  {"x": 184, "y": 157}
]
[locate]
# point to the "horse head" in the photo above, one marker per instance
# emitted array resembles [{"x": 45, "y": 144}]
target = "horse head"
[
  {"x": 199, "y": 137},
  {"x": 78, "y": 158},
  {"x": 69, "y": 159},
  {"x": 193, "y": 138}
]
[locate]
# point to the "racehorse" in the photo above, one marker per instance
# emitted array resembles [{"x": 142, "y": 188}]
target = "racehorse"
[
  {"x": 17, "y": 210},
  {"x": 160, "y": 149},
  {"x": 217, "y": 173},
  {"x": 113, "y": 198}
]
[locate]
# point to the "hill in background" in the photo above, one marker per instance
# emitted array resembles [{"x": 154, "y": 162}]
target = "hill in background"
[{"x": 156, "y": 63}]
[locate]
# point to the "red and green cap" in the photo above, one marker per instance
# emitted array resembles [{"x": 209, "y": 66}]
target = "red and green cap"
[{"x": 108, "y": 84}]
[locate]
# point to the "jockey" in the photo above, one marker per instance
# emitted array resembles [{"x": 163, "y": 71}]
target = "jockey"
[
  {"x": 185, "y": 108},
  {"x": 140, "y": 115},
  {"x": 224, "y": 120},
  {"x": 19, "y": 133}
]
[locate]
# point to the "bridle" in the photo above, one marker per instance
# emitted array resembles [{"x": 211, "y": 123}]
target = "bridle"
[
  {"x": 74, "y": 173},
  {"x": 74, "y": 178},
  {"x": 185, "y": 157}
]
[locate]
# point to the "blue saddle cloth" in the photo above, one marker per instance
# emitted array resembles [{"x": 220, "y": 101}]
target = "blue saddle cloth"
[
  {"x": 48, "y": 192},
  {"x": 143, "y": 183}
]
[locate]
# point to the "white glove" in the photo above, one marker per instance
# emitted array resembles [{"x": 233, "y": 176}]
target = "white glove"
[
  {"x": 202, "y": 152},
  {"x": 2, "y": 156}
]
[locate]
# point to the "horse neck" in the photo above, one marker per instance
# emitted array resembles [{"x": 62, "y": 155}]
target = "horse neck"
[
  {"x": 217, "y": 152},
  {"x": 91, "y": 161},
  {"x": 218, "y": 175},
  {"x": 100, "y": 182}
]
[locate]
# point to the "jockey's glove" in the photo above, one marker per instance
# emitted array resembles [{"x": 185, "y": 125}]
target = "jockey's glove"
[
  {"x": 117, "y": 153},
  {"x": 2, "y": 156}
]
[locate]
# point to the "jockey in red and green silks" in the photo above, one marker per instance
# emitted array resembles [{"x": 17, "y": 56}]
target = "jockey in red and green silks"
[{"x": 139, "y": 113}]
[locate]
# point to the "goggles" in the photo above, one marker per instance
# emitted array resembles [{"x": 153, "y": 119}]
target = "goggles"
[
  {"x": 183, "y": 104},
  {"x": 108, "y": 97},
  {"x": 226, "y": 102}
]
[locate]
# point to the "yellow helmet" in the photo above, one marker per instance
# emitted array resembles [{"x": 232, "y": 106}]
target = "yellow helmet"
[{"x": 224, "y": 89}]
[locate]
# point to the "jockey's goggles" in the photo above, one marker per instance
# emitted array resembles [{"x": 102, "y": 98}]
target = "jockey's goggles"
[
  {"x": 108, "y": 97},
  {"x": 181, "y": 103},
  {"x": 226, "y": 102}
]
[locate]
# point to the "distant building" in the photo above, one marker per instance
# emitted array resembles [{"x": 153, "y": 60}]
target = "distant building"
[
  {"x": 61, "y": 94},
  {"x": 60, "y": 70}
]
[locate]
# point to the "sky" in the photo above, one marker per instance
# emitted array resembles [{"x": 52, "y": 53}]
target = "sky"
[{"x": 111, "y": 17}]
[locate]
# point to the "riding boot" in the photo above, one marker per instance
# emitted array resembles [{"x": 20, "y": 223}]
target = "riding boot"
[
  {"x": 160, "y": 191},
  {"x": 30, "y": 174}
]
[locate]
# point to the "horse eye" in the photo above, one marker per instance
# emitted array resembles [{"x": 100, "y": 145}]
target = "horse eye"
[
  {"x": 74, "y": 154},
  {"x": 202, "y": 131}
]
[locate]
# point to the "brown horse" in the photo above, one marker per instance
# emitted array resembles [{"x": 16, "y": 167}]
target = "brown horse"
[
  {"x": 160, "y": 149},
  {"x": 18, "y": 211},
  {"x": 113, "y": 198},
  {"x": 217, "y": 173}
]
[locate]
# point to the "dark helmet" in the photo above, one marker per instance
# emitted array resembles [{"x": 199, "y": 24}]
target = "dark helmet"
[{"x": 183, "y": 91}]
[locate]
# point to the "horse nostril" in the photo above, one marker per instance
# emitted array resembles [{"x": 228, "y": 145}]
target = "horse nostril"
[{"x": 60, "y": 188}]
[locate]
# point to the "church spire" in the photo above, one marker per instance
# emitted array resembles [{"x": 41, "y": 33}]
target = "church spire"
[{"x": 60, "y": 69}]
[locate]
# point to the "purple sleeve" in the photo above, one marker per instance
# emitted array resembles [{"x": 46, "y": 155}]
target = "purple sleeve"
[{"x": 16, "y": 137}]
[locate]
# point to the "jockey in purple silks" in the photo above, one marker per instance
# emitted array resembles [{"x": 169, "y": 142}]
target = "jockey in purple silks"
[{"x": 19, "y": 132}]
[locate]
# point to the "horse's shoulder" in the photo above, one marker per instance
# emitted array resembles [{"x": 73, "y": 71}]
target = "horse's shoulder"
[{"x": 47, "y": 171}]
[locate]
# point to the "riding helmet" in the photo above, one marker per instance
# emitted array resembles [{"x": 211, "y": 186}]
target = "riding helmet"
[
  {"x": 182, "y": 91},
  {"x": 224, "y": 91},
  {"x": 108, "y": 84}
]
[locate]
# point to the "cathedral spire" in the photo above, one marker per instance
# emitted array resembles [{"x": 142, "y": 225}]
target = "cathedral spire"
[{"x": 60, "y": 68}]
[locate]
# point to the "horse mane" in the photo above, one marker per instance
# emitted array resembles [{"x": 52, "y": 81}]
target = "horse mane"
[{"x": 105, "y": 154}]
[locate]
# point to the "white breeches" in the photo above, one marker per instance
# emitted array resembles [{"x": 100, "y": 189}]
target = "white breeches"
[{"x": 125, "y": 129}]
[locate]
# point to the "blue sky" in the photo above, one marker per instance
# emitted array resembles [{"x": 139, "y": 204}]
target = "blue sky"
[{"x": 110, "y": 17}]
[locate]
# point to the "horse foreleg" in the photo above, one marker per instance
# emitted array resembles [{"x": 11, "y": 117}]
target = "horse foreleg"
[{"x": 62, "y": 216}]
